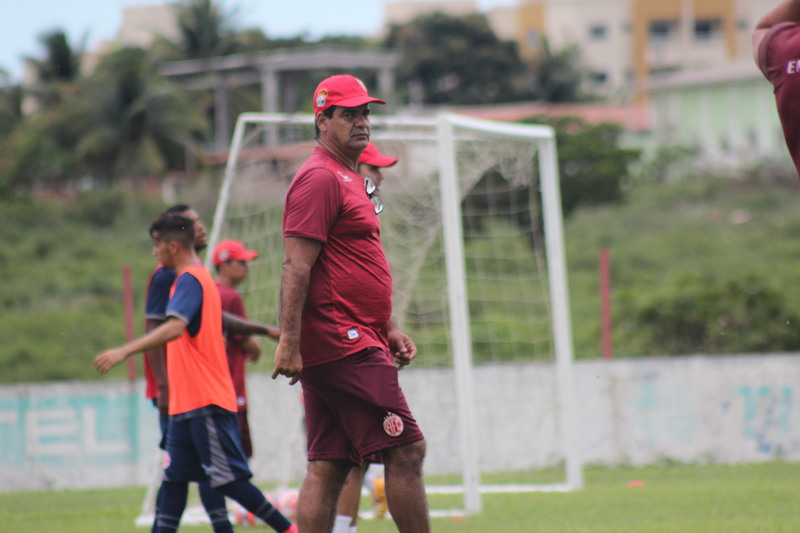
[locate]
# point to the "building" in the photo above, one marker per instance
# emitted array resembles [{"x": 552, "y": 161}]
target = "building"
[
  {"x": 625, "y": 43},
  {"x": 403, "y": 12},
  {"x": 727, "y": 112}
]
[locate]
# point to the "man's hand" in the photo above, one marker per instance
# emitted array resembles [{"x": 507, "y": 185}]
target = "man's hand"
[
  {"x": 109, "y": 359},
  {"x": 272, "y": 332},
  {"x": 402, "y": 347},
  {"x": 251, "y": 348},
  {"x": 288, "y": 362}
]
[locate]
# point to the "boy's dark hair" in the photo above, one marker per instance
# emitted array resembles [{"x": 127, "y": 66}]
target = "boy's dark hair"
[
  {"x": 171, "y": 227},
  {"x": 328, "y": 113},
  {"x": 178, "y": 208}
]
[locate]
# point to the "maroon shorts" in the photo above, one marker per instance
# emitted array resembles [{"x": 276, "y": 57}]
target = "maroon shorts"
[{"x": 355, "y": 407}]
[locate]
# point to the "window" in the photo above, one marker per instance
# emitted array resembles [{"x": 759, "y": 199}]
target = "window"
[
  {"x": 662, "y": 30},
  {"x": 599, "y": 78},
  {"x": 534, "y": 39},
  {"x": 707, "y": 29},
  {"x": 598, "y": 32}
]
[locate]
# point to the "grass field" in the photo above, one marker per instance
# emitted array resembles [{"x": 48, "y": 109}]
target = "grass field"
[{"x": 757, "y": 498}]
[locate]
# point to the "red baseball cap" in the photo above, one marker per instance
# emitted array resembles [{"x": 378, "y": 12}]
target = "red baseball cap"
[
  {"x": 343, "y": 90},
  {"x": 371, "y": 156},
  {"x": 232, "y": 251}
]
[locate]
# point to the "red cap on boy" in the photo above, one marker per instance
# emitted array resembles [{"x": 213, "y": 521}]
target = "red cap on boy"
[
  {"x": 232, "y": 251},
  {"x": 372, "y": 156}
]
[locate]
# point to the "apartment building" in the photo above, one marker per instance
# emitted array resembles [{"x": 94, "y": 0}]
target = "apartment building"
[{"x": 623, "y": 43}]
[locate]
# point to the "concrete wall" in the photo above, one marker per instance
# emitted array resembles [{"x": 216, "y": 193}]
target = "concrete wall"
[{"x": 694, "y": 409}]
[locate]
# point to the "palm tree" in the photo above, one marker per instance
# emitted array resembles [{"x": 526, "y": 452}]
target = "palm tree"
[
  {"x": 205, "y": 31},
  {"x": 137, "y": 123},
  {"x": 558, "y": 76}
]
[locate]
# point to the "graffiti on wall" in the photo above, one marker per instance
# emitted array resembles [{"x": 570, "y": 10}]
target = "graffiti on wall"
[{"x": 57, "y": 431}]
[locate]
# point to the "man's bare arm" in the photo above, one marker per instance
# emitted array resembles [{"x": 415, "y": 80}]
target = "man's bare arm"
[
  {"x": 300, "y": 256},
  {"x": 786, "y": 11}
]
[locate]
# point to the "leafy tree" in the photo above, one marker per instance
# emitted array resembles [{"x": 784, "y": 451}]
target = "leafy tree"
[
  {"x": 137, "y": 124},
  {"x": 56, "y": 71},
  {"x": 456, "y": 60},
  {"x": 557, "y": 76},
  {"x": 40, "y": 151},
  {"x": 10, "y": 108},
  {"x": 592, "y": 166},
  {"x": 205, "y": 30}
]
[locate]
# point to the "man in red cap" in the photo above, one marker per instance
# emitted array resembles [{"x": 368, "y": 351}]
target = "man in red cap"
[
  {"x": 338, "y": 337},
  {"x": 230, "y": 260}
]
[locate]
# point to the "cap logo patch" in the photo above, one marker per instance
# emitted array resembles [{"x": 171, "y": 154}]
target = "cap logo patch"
[
  {"x": 224, "y": 255},
  {"x": 393, "y": 425},
  {"x": 322, "y": 96}
]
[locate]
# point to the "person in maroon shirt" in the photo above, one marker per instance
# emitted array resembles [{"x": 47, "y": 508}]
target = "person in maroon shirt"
[
  {"x": 338, "y": 337},
  {"x": 776, "y": 48},
  {"x": 230, "y": 260}
]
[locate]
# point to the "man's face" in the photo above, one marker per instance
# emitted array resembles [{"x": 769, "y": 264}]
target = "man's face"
[
  {"x": 200, "y": 237},
  {"x": 163, "y": 252},
  {"x": 372, "y": 172},
  {"x": 348, "y": 130},
  {"x": 235, "y": 270}
]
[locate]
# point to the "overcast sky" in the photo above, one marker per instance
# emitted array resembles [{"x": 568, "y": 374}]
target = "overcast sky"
[{"x": 23, "y": 21}]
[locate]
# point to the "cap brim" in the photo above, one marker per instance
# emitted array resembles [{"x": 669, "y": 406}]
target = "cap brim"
[
  {"x": 358, "y": 101},
  {"x": 247, "y": 255},
  {"x": 379, "y": 161}
]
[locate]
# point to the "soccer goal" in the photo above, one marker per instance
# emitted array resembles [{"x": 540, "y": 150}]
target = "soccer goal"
[{"x": 473, "y": 232}]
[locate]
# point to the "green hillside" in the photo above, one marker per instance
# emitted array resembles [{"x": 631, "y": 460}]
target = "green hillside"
[
  {"x": 61, "y": 265},
  {"x": 694, "y": 238}
]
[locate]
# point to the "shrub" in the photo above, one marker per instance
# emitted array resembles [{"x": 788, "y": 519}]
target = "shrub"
[{"x": 697, "y": 314}]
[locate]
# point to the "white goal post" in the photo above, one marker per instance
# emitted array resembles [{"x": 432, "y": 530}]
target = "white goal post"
[{"x": 444, "y": 161}]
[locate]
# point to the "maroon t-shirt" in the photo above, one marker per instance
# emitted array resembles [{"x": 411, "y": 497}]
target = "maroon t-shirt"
[
  {"x": 349, "y": 299},
  {"x": 779, "y": 60},
  {"x": 232, "y": 303}
]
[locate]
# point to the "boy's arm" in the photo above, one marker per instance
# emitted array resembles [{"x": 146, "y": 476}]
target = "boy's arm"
[
  {"x": 236, "y": 325},
  {"x": 157, "y": 357},
  {"x": 171, "y": 329}
]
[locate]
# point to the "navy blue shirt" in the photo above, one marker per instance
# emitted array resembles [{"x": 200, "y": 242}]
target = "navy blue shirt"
[
  {"x": 187, "y": 302},
  {"x": 158, "y": 293}
]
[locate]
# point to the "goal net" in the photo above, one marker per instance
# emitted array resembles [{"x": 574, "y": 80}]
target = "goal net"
[{"x": 472, "y": 229}]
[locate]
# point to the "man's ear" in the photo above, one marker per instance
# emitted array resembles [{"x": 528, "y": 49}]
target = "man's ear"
[
  {"x": 174, "y": 247},
  {"x": 322, "y": 121}
]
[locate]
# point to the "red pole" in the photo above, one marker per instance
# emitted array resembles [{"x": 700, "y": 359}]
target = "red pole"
[
  {"x": 127, "y": 298},
  {"x": 605, "y": 303}
]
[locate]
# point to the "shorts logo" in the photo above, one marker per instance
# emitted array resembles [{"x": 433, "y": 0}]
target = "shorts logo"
[
  {"x": 352, "y": 333},
  {"x": 393, "y": 425}
]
